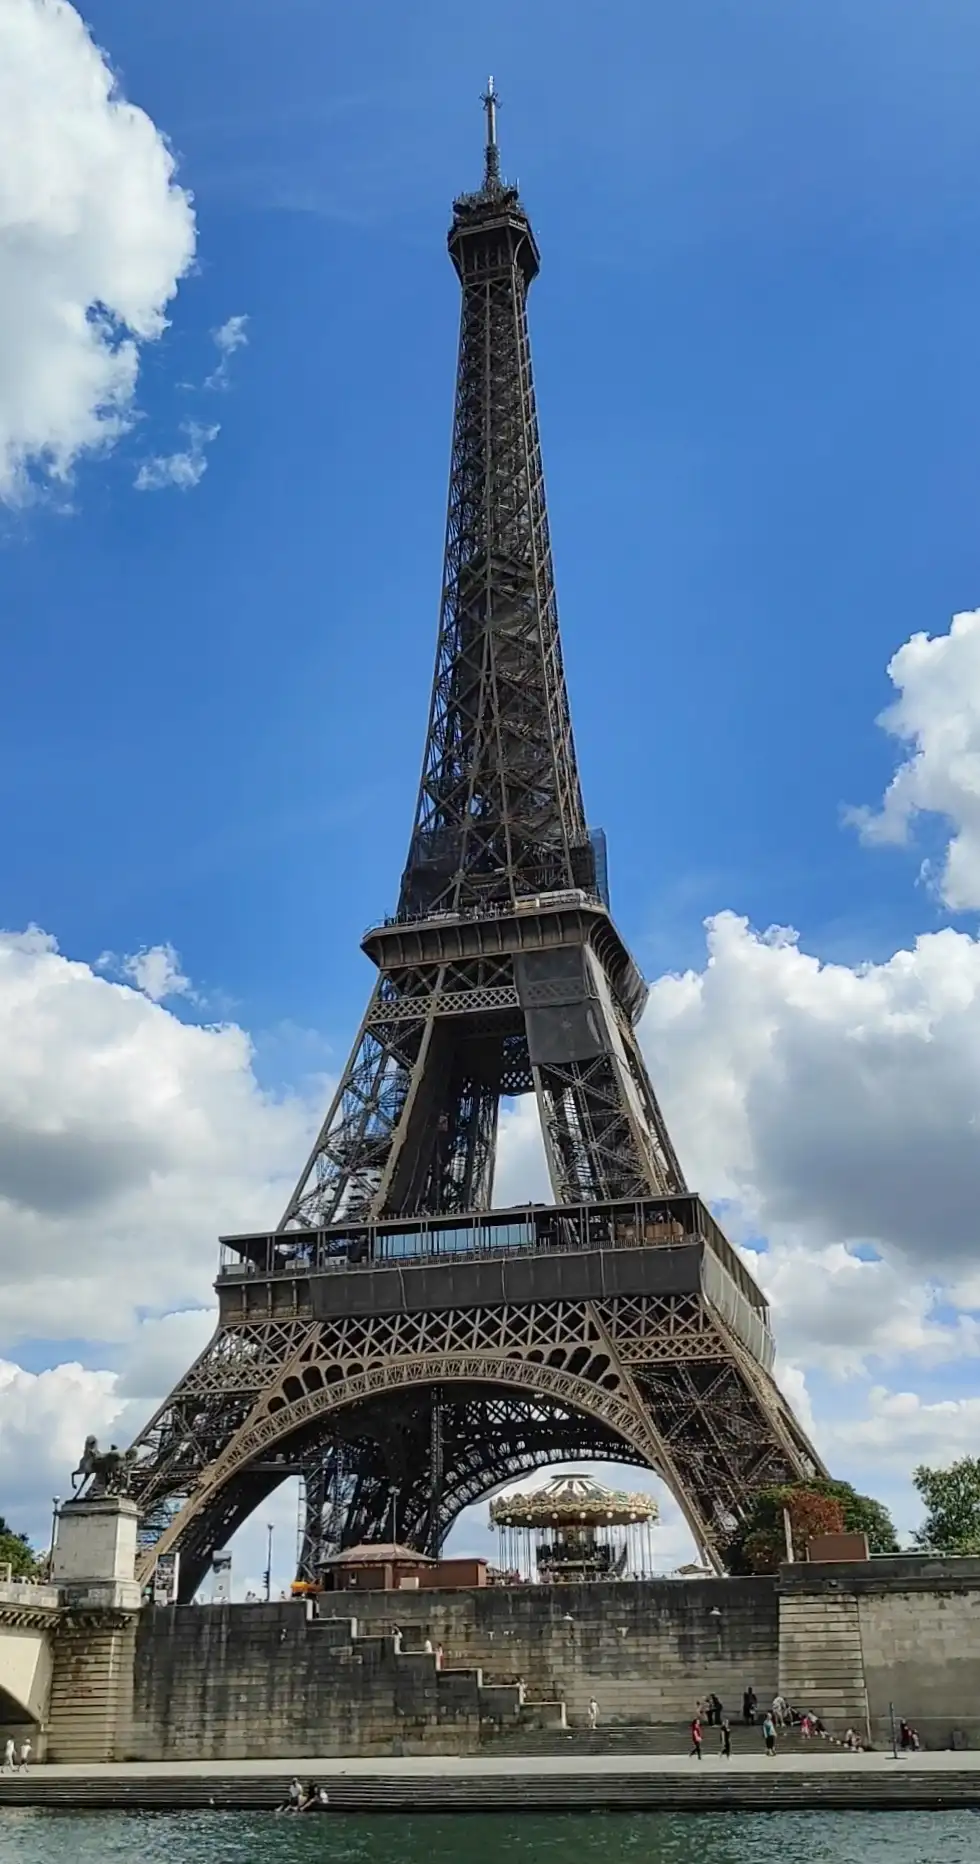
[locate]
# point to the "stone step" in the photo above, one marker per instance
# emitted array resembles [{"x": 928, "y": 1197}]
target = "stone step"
[{"x": 686, "y": 1788}]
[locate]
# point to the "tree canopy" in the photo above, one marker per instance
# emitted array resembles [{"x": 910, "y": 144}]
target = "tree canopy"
[
  {"x": 952, "y": 1501},
  {"x": 819, "y": 1506},
  {"x": 17, "y": 1553}
]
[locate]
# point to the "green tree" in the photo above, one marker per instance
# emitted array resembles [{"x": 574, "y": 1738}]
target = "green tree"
[
  {"x": 862, "y": 1514},
  {"x": 17, "y": 1553},
  {"x": 952, "y": 1502},
  {"x": 758, "y": 1544}
]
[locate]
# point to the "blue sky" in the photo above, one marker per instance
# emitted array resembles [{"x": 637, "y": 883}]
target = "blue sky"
[
  {"x": 754, "y": 339},
  {"x": 755, "y": 345}
]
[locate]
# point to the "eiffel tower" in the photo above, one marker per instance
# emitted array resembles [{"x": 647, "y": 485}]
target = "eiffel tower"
[{"x": 398, "y": 1341}]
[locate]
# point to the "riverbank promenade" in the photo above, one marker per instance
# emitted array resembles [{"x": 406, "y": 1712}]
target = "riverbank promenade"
[{"x": 560, "y": 1783}]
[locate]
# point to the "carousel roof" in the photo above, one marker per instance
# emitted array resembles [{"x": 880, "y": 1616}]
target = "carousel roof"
[{"x": 570, "y": 1501}]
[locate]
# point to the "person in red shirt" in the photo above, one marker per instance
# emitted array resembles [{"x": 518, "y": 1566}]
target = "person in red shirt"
[{"x": 696, "y": 1738}]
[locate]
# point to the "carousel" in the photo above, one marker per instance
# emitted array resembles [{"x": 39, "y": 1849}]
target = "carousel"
[{"x": 574, "y": 1530}]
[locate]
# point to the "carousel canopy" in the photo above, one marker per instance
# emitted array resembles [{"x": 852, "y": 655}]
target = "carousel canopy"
[{"x": 571, "y": 1501}]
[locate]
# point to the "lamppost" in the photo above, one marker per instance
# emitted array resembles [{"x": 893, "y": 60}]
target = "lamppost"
[
  {"x": 270, "y": 1530},
  {"x": 55, "y": 1506},
  {"x": 393, "y": 1491}
]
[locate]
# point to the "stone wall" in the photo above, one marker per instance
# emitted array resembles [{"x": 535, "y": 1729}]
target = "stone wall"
[
  {"x": 245, "y": 1681},
  {"x": 91, "y": 1688},
  {"x": 647, "y": 1651},
  {"x": 227, "y": 1682},
  {"x": 917, "y": 1619}
]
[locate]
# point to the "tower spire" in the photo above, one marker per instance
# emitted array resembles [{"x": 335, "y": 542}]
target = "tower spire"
[{"x": 491, "y": 171}]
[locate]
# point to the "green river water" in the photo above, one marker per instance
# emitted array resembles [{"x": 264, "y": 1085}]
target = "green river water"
[{"x": 602, "y": 1838}]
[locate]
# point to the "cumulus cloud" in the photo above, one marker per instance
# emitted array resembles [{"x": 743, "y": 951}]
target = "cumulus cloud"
[
  {"x": 46, "y": 1416},
  {"x": 155, "y": 970},
  {"x": 901, "y": 1429},
  {"x": 828, "y": 1104},
  {"x": 229, "y": 337},
  {"x": 95, "y": 236},
  {"x": 937, "y": 716},
  {"x": 44, "y": 1420},
  {"x": 179, "y": 471},
  {"x": 129, "y": 1141},
  {"x": 840, "y": 1311}
]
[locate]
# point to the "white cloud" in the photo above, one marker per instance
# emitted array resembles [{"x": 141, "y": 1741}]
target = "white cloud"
[
  {"x": 229, "y": 337},
  {"x": 937, "y": 715},
  {"x": 128, "y": 1142},
  {"x": 901, "y": 1429},
  {"x": 155, "y": 970},
  {"x": 94, "y": 238},
  {"x": 829, "y": 1105},
  {"x": 837, "y": 1310},
  {"x": 181, "y": 470},
  {"x": 44, "y": 1419}
]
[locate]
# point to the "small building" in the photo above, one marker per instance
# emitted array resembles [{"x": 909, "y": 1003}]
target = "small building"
[{"x": 378, "y": 1566}]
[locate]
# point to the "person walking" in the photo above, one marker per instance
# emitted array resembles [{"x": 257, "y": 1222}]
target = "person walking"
[
  {"x": 726, "y": 1739},
  {"x": 769, "y": 1733},
  {"x": 24, "y": 1758},
  {"x": 750, "y": 1703},
  {"x": 696, "y": 1738},
  {"x": 9, "y": 1755},
  {"x": 593, "y": 1714}
]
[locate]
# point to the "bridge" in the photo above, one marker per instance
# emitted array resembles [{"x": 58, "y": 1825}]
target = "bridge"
[{"x": 29, "y": 1615}]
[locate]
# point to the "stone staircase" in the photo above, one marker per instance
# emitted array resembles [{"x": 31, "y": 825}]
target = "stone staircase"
[{"x": 686, "y": 1787}]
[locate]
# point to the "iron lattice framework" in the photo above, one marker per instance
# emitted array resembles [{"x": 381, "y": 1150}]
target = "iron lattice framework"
[{"x": 501, "y": 973}]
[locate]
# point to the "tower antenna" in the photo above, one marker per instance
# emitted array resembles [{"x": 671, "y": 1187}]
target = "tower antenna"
[{"x": 491, "y": 173}]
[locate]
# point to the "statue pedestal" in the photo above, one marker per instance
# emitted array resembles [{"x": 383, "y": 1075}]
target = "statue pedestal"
[
  {"x": 94, "y": 1567},
  {"x": 94, "y": 1559}
]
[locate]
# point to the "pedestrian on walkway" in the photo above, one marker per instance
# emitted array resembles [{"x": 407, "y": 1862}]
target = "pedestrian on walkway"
[
  {"x": 25, "y": 1755},
  {"x": 726, "y": 1740},
  {"x": 593, "y": 1714},
  {"x": 696, "y": 1738},
  {"x": 9, "y": 1755},
  {"x": 769, "y": 1733}
]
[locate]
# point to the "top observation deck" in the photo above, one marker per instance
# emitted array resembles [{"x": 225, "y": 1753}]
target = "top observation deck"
[{"x": 536, "y": 922}]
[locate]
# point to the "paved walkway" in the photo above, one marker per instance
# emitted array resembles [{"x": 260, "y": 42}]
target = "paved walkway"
[{"x": 820, "y": 1761}]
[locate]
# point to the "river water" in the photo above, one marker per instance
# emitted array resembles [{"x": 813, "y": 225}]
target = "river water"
[{"x": 602, "y": 1838}]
